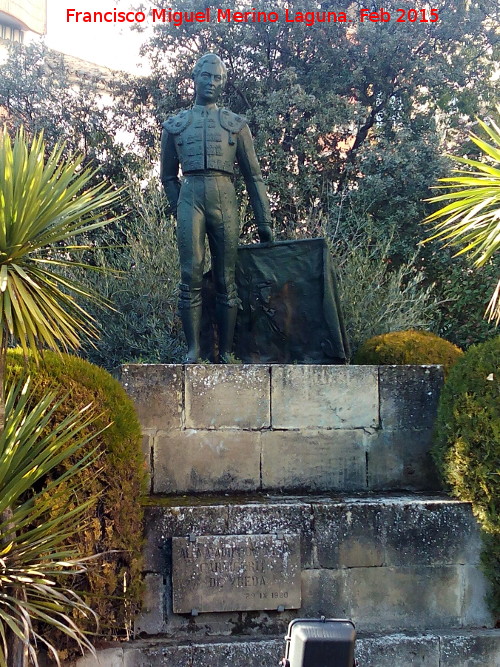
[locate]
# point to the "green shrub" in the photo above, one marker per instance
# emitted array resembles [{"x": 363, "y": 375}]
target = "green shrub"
[
  {"x": 408, "y": 347},
  {"x": 377, "y": 296},
  {"x": 111, "y": 586},
  {"x": 141, "y": 285},
  {"x": 467, "y": 445},
  {"x": 463, "y": 294}
]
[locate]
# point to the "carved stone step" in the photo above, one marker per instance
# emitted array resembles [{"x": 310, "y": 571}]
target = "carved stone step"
[
  {"x": 466, "y": 648},
  {"x": 389, "y": 563}
]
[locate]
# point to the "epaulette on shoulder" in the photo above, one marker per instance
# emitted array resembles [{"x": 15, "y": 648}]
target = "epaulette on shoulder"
[
  {"x": 231, "y": 121},
  {"x": 176, "y": 124}
]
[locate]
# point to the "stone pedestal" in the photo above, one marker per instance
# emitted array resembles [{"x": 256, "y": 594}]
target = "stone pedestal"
[
  {"x": 335, "y": 458},
  {"x": 267, "y": 428}
]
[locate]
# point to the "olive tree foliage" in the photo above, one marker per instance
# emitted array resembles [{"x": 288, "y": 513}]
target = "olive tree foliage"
[
  {"x": 41, "y": 90},
  {"x": 336, "y": 108},
  {"x": 350, "y": 121}
]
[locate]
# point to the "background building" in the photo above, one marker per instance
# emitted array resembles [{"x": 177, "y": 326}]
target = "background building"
[{"x": 18, "y": 16}]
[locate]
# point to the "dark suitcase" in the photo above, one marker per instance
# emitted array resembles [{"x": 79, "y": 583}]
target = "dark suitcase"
[{"x": 325, "y": 642}]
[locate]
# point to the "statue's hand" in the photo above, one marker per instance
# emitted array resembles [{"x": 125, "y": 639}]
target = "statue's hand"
[{"x": 265, "y": 233}]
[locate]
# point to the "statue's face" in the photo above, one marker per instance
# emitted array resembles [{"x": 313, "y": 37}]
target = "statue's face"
[{"x": 209, "y": 83}]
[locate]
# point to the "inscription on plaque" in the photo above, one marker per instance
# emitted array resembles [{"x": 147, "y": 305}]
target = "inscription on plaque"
[{"x": 235, "y": 573}]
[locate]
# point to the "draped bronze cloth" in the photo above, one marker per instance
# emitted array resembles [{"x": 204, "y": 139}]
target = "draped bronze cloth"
[{"x": 290, "y": 310}]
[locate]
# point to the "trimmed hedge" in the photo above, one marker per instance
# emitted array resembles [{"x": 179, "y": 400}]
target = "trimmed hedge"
[
  {"x": 408, "y": 347},
  {"x": 467, "y": 445},
  {"x": 112, "y": 583}
]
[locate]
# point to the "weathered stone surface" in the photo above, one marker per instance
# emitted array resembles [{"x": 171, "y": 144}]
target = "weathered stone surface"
[
  {"x": 475, "y": 611},
  {"x": 324, "y": 397},
  {"x": 398, "y": 651},
  {"x": 401, "y": 460},
  {"x": 461, "y": 648},
  {"x": 324, "y": 594},
  {"x": 480, "y": 648},
  {"x": 409, "y": 396},
  {"x": 236, "y": 573},
  {"x": 156, "y": 390},
  {"x": 381, "y": 598},
  {"x": 194, "y": 461},
  {"x": 400, "y": 531},
  {"x": 147, "y": 451},
  {"x": 109, "y": 657},
  {"x": 397, "y": 598},
  {"x": 151, "y": 619},
  {"x": 287, "y": 516},
  {"x": 430, "y": 532},
  {"x": 217, "y": 624},
  {"x": 230, "y": 396},
  {"x": 177, "y": 520},
  {"x": 242, "y": 653},
  {"x": 314, "y": 460},
  {"x": 350, "y": 534},
  {"x": 158, "y": 655}
]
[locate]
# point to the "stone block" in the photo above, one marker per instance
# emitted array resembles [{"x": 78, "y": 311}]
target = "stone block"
[
  {"x": 227, "y": 396},
  {"x": 398, "y": 651},
  {"x": 385, "y": 599},
  {"x": 158, "y": 655},
  {"x": 404, "y": 531},
  {"x": 429, "y": 532},
  {"x": 461, "y": 648},
  {"x": 338, "y": 397},
  {"x": 401, "y": 460},
  {"x": 349, "y": 534},
  {"x": 164, "y": 522},
  {"x": 156, "y": 390},
  {"x": 196, "y": 461},
  {"x": 478, "y": 648},
  {"x": 409, "y": 396},
  {"x": 267, "y": 518},
  {"x": 476, "y": 589},
  {"x": 243, "y": 652},
  {"x": 324, "y": 594},
  {"x": 314, "y": 460},
  {"x": 151, "y": 619},
  {"x": 147, "y": 451},
  {"x": 184, "y": 627},
  {"x": 109, "y": 657}
]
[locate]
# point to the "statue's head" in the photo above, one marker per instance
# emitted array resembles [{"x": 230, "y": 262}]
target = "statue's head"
[{"x": 210, "y": 76}]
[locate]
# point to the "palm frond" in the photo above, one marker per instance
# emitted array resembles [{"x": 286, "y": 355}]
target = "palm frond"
[
  {"x": 44, "y": 202},
  {"x": 471, "y": 219}
]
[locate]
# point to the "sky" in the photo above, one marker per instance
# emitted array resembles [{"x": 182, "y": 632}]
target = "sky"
[{"x": 109, "y": 44}]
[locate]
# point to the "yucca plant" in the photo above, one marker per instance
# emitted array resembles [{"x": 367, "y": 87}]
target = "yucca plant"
[
  {"x": 471, "y": 219},
  {"x": 34, "y": 557},
  {"x": 45, "y": 201},
  {"x": 43, "y": 204}
]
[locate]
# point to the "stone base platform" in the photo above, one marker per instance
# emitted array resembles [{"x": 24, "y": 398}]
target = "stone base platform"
[
  {"x": 288, "y": 429},
  {"x": 471, "y": 648},
  {"x": 388, "y": 562},
  {"x": 334, "y": 459}
]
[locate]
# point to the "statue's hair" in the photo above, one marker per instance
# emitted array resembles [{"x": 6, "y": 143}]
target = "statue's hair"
[{"x": 210, "y": 58}]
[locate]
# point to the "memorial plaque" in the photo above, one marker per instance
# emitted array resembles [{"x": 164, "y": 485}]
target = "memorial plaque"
[{"x": 235, "y": 573}]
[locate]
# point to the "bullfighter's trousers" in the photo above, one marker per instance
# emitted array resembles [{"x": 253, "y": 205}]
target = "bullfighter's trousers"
[{"x": 207, "y": 206}]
